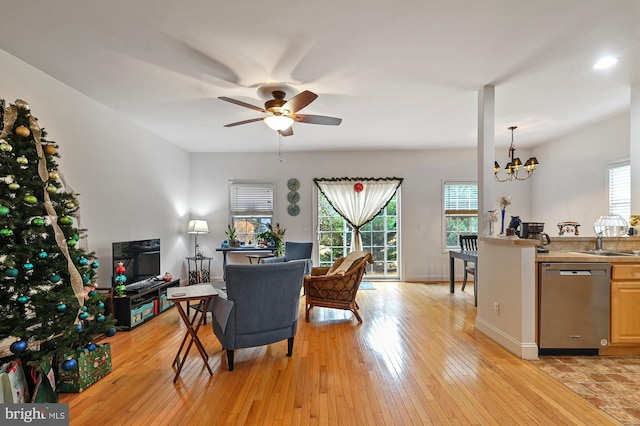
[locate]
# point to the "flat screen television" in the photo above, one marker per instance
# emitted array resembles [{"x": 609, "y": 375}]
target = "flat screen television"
[{"x": 141, "y": 259}]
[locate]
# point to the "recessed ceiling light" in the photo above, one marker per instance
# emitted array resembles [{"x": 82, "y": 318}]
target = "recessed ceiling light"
[{"x": 606, "y": 62}]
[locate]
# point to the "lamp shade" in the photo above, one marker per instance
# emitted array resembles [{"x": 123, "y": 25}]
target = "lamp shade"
[
  {"x": 197, "y": 227},
  {"x": 279, "y": 122}
]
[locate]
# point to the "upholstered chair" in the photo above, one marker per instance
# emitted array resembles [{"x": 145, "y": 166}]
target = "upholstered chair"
[
  {"x": 295, "y": 251},
  {"x": 260, "y": 307}
]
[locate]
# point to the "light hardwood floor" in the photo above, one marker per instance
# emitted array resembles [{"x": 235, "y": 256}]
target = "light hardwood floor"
[{"x": 415, "y": 359}]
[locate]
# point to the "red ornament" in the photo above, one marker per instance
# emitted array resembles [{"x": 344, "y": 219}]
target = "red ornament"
[
  {"x": 358, "y": 187},
  {"x": 120, "y": 269}
]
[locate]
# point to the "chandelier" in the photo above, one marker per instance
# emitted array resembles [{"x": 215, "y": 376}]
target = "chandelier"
[{"x": 515, "y": 165}]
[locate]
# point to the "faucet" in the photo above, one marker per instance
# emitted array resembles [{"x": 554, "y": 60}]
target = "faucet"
[{"x": 598, "y": 242}]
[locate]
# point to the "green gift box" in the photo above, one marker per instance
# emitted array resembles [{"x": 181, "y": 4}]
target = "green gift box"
[{"x": 92, "y": 366}]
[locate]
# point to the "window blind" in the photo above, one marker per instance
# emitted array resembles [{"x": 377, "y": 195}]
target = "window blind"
[
  {"x": 460, "y": 199},
  {"x": 251, "y": 199},
  {"x": 620, "y": 189}
]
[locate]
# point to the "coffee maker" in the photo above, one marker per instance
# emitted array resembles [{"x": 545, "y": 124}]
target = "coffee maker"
[{"x": 535, "y": 231}]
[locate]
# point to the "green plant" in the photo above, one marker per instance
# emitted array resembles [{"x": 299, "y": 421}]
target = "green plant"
[{"x": 231, "y": 232}]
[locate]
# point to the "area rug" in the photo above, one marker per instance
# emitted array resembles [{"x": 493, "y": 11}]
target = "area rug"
[
  {"x": 611, "y": 383},
  {"x": 366, "y": 285}
]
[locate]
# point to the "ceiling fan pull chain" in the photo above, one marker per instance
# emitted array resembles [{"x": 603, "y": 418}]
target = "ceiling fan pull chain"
[{"x": 280, "y": 147}]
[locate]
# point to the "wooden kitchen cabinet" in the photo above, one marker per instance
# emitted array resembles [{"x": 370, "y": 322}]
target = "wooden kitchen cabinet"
[{"x": 625, "y": 304}]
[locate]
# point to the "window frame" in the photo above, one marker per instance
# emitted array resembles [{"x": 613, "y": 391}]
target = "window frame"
[
  {"x": 471, "y": 213},
  {"x": 619, "y": 197},
  {"x": 268, "y": 217}
]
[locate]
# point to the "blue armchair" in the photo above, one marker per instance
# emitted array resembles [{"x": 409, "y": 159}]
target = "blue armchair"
[
  {"x": 295, "y": 251},
  {"x": 261, "y": 306}
]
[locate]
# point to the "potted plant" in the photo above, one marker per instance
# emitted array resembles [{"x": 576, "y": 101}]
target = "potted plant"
[
  {"x": 274, "y": 236},
  {"x": 231, "y": 233}
]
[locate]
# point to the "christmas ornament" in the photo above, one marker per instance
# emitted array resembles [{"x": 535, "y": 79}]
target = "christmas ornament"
[
  {"x": 95, "y": 264},
  {"x": 18, "y": 347},
  {"x": 92, "y": 293},
  {"x": 110, "y": 332},
  {"x": 75, "y": 237},
  {"x": 358, "y": 187},
  {"x": 65, "y": 220},
  {"x": 100, "y": 318},
  {"x": 100, "y": 305},
  {"x": 6, "y": 232},
  {"x": 22, "y": 160},
  {"x": 49, "y": 150},
  {"x": 121, "y": 279},
  {"x": 84, "y": 309},
  {"x": 83, "y": 261},
  {"x": 30, "y": 199},
  {"x": 4, "y": 211},
  {"x": 53, "y": 175},
  {"x": 71, "y": 242},
  {"x": 83, "y": 316},
  {"x": 79, "y": 326},
  {"x": 14, "y": 186},
  {"x": 70, "y": 205},
  {"x": 27, "y": 266},
  {"x": 23, "y": 299},
  {"x": 22, "y": 131},
  {"x": 5, "y": 147},
  {"x": 37, "y": 221},
  {"x": 167, "y": 277},
  {"x": 91, "y": 347},
  {"x": 11, "y": 272},
  {"x": 54, "y": 278},
  {"x": 86, "y": 278},
  {"x": 120, "y": 269},
  {"x": 61, "y": 307},
  {"x": 51, "y": 189},
  {"x": 43, "y": 254},
  {"x": 69, "y": 364}
]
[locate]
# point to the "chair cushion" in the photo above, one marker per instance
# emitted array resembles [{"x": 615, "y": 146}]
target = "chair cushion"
[{"x": 341, "y": 268}]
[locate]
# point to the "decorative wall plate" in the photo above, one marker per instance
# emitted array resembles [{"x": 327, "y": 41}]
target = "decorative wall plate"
[
  {"x": 293, "y": 184},
  {"x": 293, "y": 209},
  {"x": 293, "y": 197}
]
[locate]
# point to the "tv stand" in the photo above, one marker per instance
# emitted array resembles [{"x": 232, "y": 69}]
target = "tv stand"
[{"x": 134, "y": 309}]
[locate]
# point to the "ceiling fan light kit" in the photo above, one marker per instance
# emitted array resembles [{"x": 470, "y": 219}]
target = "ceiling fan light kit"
[
  {"x": 515, "y": 165},
  {"x": 282, "y": 113}
]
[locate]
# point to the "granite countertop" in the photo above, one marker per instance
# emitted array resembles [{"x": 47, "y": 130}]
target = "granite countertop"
[{"x": 569, "y": 256}]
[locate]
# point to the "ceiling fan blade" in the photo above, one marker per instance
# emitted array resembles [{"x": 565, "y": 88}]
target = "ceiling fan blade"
[
  {"x": 317, "y": 119},
  {"x": 237, "y": 123},
  {"x": 299, "y": 101},
  {"x": 244, "y": 104},
  {"x": 286, "y": 132}
]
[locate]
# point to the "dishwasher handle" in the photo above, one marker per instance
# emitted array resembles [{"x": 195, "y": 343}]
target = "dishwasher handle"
[{"x": 574, "y": 273}]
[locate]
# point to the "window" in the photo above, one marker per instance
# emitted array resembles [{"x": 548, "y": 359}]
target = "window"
[
  {"x": 380, "y": 237},
  {"x": 251, "y": 208},
  {"x": 460, "y": 211},
  {"x": 620, "y": 189}
]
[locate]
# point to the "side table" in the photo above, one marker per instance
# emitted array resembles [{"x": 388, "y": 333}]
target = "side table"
[
  {"x": 204, "y": 294},
  {"x": 199, "y": 271}
]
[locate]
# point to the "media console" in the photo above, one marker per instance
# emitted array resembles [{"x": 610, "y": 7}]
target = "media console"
[{"x": 135, "y": 308}]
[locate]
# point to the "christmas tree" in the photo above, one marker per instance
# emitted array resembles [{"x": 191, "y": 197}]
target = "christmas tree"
[{"x": 48, "y": 302}]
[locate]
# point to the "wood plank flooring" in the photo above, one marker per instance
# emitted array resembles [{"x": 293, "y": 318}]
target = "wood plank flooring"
[{"x": 416, "y": 359}]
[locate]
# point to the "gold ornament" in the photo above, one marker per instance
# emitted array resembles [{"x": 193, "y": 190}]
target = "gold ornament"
[
  {"x": 14, "y": 186},
  {"x": 51, "y": 189},
  {"x": 53, "y": 175},
  {"x": 6, "y": 147},
  {"x": 50, "y": 149},
  {"x": 22, "y": 131},
  {"x": 22, "y": 104},
  {"x": 70, "y": 205},
  {"x": 22, "y": 160}
]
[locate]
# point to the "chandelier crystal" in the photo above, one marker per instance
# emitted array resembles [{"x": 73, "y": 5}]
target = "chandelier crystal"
[{"x": 515, "y": 166}]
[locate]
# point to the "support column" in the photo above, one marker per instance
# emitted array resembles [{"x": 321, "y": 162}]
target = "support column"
[
  {"x": 486, "y": 155},
  {"x": 634, "y": 148}
]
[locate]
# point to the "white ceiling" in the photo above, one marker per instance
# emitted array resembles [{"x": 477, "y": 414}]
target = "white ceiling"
[{"x": 401, "y": 74}]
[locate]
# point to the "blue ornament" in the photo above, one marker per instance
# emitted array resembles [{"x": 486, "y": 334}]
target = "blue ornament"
[
  {"x": 83, "y": 261},
  {"x": 61, "y": 307},
  {"x": 28, "y": 266},
  {"x": 95, "y": 264},
  {"x": 18, "y": 347},
  {"x": 54, "y": 278},
  {"x": 23, "y": 299},
  {"x": 101, "y": 304},
  {"x": 92, "y": 347},
  {"x": 84, "y": 309},
  {"x": 11, "y": 272},
  {"x": 86, "y": 278},
  {"x": 120, "y": 279},
  {"x": 100, "y": 318},
  {"x": 69, "y": 364},
  {"x": 83, "y": 315},
  {"x": 79, "y": 326},
  {"x": 110, "y": 332},
  {"x": 43, "y": 255},
  {"x": 92, "y": 293}
]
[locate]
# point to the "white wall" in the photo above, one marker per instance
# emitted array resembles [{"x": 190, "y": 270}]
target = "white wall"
[
  {"x": 571, "y": 183},
  {"x": 132, "y": 184}
]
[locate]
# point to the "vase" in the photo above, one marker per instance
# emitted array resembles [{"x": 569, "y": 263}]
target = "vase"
[{"x": 502, "y": 223}]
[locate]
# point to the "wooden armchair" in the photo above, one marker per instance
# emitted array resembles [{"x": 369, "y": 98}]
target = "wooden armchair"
[{"x": 337, "y": 286}]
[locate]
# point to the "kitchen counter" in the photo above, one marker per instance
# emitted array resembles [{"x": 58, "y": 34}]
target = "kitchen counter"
[{"x": 569, "y": 256}]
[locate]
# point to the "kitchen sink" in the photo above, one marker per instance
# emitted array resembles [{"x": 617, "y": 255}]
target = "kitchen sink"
[{"x": 610, "y": 252}]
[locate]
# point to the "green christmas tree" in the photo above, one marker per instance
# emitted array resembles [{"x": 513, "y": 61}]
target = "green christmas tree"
[{"x": 48, "y": 302}]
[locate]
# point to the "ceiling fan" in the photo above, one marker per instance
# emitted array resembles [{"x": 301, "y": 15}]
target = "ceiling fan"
[{"x": 282, "y": 113}]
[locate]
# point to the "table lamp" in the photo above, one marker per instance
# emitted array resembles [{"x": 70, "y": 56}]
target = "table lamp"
[{"x": 197, "y": 227}]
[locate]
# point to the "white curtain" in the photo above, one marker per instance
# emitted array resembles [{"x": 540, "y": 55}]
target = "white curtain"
[{"x": 358, "y": 200}]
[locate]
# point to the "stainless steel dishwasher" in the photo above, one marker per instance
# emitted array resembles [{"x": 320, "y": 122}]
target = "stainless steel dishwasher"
[{"x": 574, "y": 305}]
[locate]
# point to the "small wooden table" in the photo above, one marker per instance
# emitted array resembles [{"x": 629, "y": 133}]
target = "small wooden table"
[
  {"x": 470, "y": 256},
  {"x": 204, "y": 294}
]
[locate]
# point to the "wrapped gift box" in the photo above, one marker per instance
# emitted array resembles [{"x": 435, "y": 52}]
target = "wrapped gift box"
[{"x": 92, "y": 366}]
